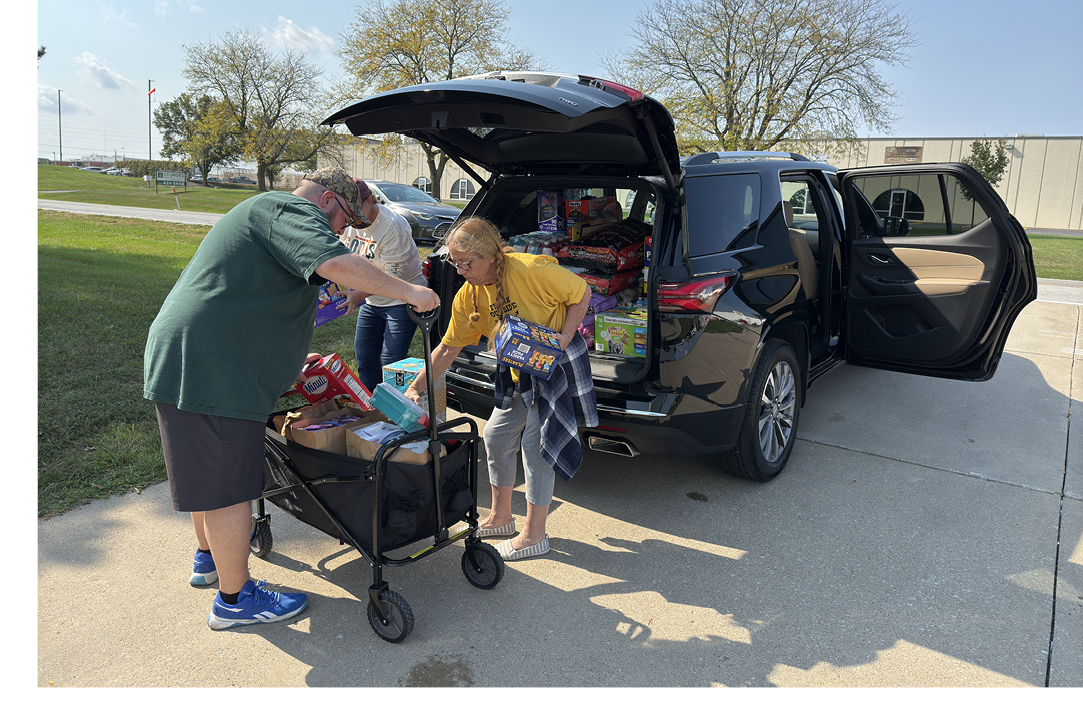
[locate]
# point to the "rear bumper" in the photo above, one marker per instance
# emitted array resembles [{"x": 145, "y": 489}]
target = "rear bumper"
[{"x": 670, "y": 424}]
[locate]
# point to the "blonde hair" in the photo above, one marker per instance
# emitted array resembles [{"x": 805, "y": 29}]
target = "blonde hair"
[{"x": 477, "y": 236}]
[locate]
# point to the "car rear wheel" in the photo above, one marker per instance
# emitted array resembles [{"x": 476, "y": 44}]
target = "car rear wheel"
[{"x": 769, "y": 429}]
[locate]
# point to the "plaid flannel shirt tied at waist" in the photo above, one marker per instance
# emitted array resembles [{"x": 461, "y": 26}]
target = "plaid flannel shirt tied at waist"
[{"x": 566, "y": 402}]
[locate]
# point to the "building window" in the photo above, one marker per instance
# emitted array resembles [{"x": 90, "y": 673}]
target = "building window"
[
  {"x": 423, "y": 184},
  {"x": 462, "y": 189}
]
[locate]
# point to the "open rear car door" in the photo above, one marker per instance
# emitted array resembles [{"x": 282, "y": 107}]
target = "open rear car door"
[
  {"x": 936, "y": 270},
  {"x": 520, "y": 123}
]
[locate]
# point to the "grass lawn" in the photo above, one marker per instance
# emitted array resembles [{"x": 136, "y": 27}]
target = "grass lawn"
[
  {"x": 81, "y": 186},
  {"x": 101, "y": 281},
  {"x": 1058, "y": 257}
]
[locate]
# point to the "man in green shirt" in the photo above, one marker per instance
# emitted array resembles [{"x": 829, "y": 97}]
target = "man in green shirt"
[{"x": 230, "y": 338}]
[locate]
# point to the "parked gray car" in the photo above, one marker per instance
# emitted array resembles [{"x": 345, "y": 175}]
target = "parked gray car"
[{"x": 429, "y": 219}]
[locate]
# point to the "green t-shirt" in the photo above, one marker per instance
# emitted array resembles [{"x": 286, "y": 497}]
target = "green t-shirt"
[{"x": 233, "y": 333}]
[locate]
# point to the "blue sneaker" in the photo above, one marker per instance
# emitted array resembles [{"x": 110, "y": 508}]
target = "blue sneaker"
[
  {"x": 255, "y": 604},
  {"x": 203, "y": 571}
]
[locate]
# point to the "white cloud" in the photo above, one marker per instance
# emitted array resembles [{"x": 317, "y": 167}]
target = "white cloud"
[
  {"x": 162, "y": 7},
  {"x": 93, "y": 70},
  {"x": 111, "y": 15},
  {"x": 47, "y": 102},
  {"x": 288, "y": 35}
]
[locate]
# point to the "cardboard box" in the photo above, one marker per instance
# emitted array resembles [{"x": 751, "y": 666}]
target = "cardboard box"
[
  {"x": 331, "y": 378},
  {"x": 586, "y": 208},
  {"x": 399, "y": 409},
  {"x": 402, "y": 373},
  {"x": 527, "y": 346},
  {"x": 622, "y": 332},
  {"x": 551, "y": 217},
  {"x": 331, "y": 304}
]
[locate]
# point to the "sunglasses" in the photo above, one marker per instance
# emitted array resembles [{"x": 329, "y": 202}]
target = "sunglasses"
[{"x": 359, "y": 223}]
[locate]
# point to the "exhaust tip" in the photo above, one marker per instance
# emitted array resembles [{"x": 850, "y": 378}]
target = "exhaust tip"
[{"x": 616, "y": 446}]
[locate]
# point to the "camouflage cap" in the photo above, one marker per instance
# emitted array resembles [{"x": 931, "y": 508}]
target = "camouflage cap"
[{"x": 339, "y": 181}]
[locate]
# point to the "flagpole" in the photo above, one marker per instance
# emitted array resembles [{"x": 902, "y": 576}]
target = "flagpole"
[{"x": 150, "y": 92}]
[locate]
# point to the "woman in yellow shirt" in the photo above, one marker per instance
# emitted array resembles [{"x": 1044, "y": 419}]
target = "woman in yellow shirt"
[{"x": 530, "y": 414}]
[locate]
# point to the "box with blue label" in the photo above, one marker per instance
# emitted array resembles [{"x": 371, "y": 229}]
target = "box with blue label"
[
  {"x": 622, "y": 332},
  {"x": 551, "y": 217},
  {"x": 331, "y": 304},
  {"x": 399, "y": 409},
  {"x": 401, "y": 374},
  {"x": 530, "y": 347}
]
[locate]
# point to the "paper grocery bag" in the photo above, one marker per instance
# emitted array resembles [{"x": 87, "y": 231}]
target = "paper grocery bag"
[
  {"x": 306, "y": 416},
  {"x": 333, "y": 439},
  {"x": 362, "y": 448}
]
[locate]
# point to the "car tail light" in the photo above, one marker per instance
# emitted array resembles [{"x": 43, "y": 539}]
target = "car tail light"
[
  {"x": 698, "y": 296},
  {"x": 630, "y": 93},
  {"x": 426, "y": 268}
]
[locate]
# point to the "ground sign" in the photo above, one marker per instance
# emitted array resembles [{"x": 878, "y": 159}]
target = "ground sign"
[{"x": 176, "y": 178}]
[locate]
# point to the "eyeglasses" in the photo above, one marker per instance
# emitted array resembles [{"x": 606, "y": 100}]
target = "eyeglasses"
[
  {"x": 466, "y": 265},
  {"x": 359, "y": 223}
]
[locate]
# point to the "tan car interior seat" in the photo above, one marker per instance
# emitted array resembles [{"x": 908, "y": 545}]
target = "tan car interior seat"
[{"x": 806, "y": 261}]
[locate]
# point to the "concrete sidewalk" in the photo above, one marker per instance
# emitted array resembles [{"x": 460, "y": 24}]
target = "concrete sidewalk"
[{"x": 925, "y": 533}]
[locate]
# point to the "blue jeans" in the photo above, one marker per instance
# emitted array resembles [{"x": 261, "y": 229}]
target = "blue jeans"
[{"x": 383, "y": 336}]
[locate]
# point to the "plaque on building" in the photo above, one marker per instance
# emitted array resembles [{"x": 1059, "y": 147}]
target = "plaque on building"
[{"x": 904, "y": 154}]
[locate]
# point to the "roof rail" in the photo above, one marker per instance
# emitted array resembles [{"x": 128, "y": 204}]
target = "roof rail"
[{"x": 705, "y": 158}]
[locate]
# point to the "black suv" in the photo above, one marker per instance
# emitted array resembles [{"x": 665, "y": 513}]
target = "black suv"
[{"x": 767, "y": 270}]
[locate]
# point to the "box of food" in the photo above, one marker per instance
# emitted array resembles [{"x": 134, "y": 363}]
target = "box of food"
[
  {"x": 399, "y": 409},
  {"x": 586, "y": 208},
  {"x": 330, "y": 378},
  {"x": 551, "y": 218},
  {"x": 530, "y": 347},
  {"x": 622, "y": 332},
  {"x": 331, "y": 304},
  {"x": 401, "y": 374}
]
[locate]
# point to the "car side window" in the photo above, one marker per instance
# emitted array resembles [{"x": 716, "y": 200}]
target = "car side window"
[
  {"x": 725, "y": 213},
  {"x": 965, "y": 212},
  {"x": 917, "y": 204}
]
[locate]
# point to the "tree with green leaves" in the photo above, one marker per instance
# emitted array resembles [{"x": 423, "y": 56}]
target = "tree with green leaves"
[
  {"x": 395, "y": 43},
  {"x": 989, "y": 160},
  {"x": 197, "y": 128},
  {"x": 763, "y": 74},
  {"x": 273, "y": 101}
]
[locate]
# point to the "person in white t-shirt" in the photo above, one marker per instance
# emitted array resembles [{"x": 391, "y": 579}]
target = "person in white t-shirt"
[{"x": 384, "y": 329}]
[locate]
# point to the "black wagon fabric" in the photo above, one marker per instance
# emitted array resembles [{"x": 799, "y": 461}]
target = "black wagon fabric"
[{"x": 344, "y": 487}]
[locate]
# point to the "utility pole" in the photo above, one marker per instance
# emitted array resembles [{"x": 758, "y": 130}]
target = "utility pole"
[
  {"x": 61, "y": 121},
  {"x": 150, "y": 92}
]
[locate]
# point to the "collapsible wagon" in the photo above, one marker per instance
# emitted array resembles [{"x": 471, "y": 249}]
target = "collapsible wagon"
[{"x": 380, "y": 506}]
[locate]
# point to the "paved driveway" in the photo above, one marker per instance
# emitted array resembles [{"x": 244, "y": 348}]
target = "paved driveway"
[{"x": 925, "y": 533}]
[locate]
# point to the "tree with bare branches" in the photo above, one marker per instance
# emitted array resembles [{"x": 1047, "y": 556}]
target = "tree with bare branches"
[
  {"x": 762, "y": 74},
  {"x": 274, "y": 99},
  {"x": 395, "y": 43}
]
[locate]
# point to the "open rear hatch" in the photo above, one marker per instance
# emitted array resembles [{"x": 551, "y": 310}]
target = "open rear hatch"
[{"x": 522, "y": 123}]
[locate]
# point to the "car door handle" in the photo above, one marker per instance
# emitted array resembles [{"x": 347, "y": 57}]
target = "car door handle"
[{"x": 880, "y": 260}]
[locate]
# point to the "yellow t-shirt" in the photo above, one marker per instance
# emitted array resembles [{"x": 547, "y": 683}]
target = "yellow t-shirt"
[{"x": 538, "y": 290}]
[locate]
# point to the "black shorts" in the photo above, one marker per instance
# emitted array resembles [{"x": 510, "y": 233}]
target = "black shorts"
[{"x": 212, "y": 462}]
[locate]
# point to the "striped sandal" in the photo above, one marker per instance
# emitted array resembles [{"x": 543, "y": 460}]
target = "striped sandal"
[{"x": 504, "y": 548}]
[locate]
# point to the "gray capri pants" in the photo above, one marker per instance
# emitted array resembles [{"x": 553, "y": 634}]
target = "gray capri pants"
[{"x": 505, "y": 434}]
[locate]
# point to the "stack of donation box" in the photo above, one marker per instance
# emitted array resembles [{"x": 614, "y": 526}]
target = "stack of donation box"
[{"x": 334, "y": 426}]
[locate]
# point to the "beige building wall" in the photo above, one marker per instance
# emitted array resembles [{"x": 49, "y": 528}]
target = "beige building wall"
[{"x": 1042, "y": 185}]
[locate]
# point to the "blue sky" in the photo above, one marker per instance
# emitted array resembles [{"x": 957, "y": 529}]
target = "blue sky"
[{"x": 984, "y": 68}]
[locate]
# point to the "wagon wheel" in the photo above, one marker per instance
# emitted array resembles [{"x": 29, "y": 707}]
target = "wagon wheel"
[
  {"x": 489, "y": 568},
  {"x": 400, "y": 619}
]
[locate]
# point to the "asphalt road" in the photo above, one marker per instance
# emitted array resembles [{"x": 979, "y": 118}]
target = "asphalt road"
[{"x": 926, "y": 533}]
